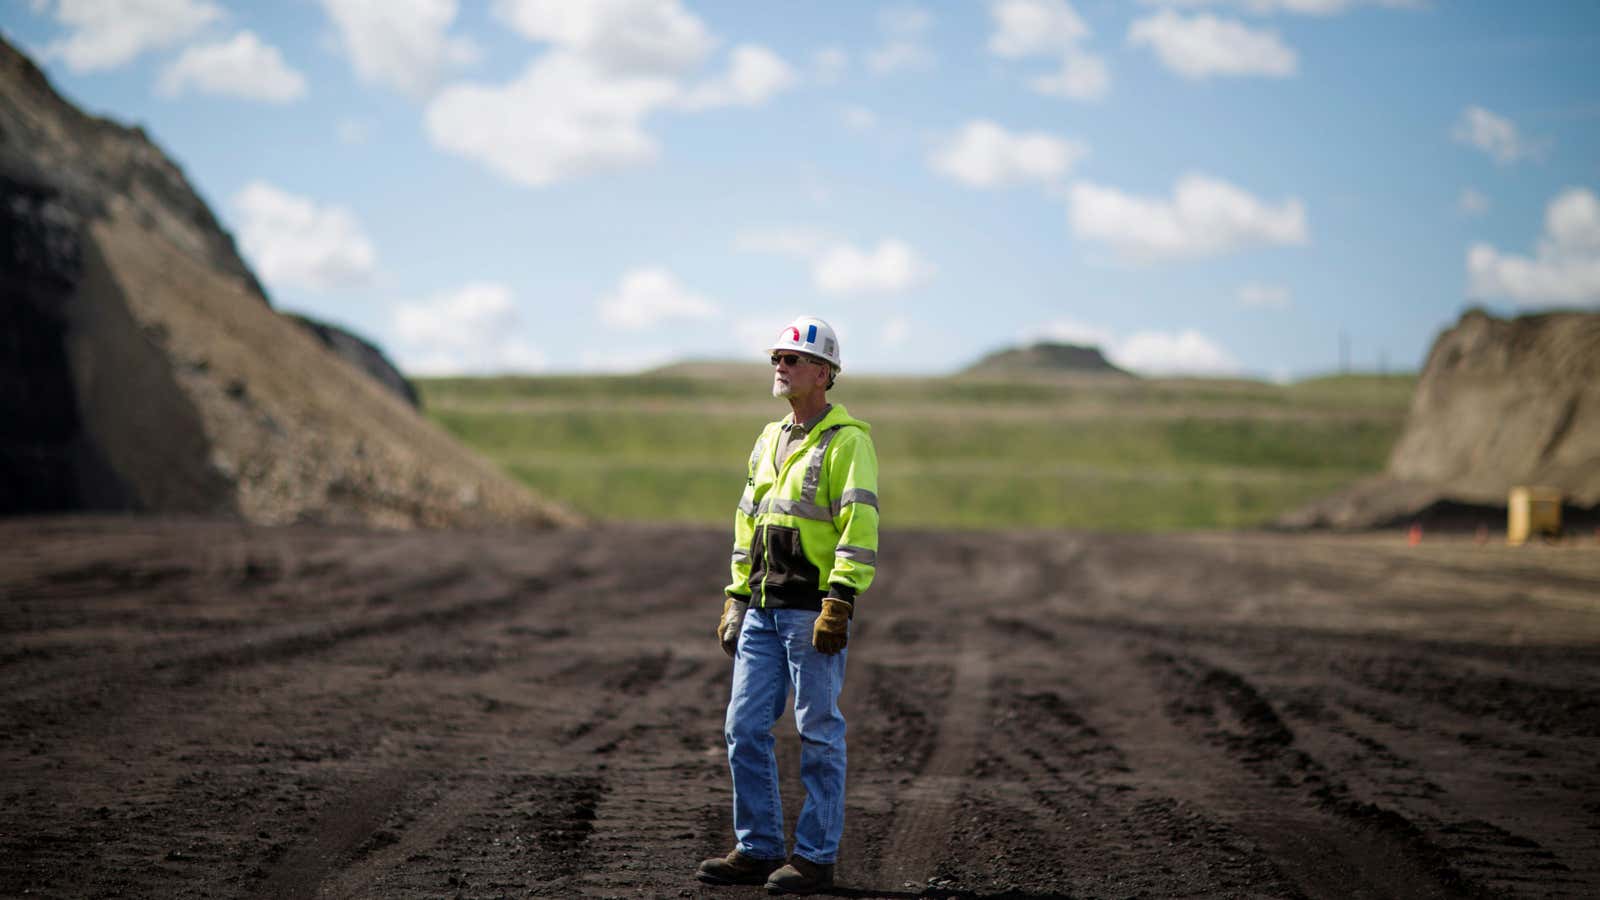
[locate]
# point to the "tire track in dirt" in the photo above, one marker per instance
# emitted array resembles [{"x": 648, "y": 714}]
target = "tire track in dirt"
[
  {"x": 1383, "y": 723},
  {"x": 1476, "y": 811},
  {"x": 186, "y": 662},
  {"x": 644, "y": 839},
  {"x": 1328, "y": 843},
  {"x": 460, "y": 831},
  {"x": 353, "y": 818},
  {"x": 1201, "y": 736},
  {"x": 455, "y": 831},
  {"x": 423, "y": 832},
  {"x": 385, "y": 828},
  {"x": 1050, "y": 785},
  {"x": 1139, "y": 732},
  {"x": 924, "y": 809},
  {"x": 635, "y": 817},
  {"x": 154, "y": 616}
]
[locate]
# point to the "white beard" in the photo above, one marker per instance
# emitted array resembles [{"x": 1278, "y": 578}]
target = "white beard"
[{"x": 781, "y": 389}]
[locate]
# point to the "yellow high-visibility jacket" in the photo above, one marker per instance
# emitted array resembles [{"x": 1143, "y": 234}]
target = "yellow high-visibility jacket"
[{"x": 807, "y": 529}]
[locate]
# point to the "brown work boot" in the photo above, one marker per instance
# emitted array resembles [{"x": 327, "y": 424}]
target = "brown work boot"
[
  {"x": 801, "y": 876},
  {"x": 736, "y": 868}
]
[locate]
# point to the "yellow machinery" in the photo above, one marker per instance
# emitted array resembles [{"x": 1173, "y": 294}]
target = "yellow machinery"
[{"x": 1531, "y": 512}]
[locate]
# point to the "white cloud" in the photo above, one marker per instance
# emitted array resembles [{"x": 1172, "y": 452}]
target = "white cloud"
[
  {"x": 581, "y": 107},
  {"x": 905, "y": 30},
  {"x": 1049, "y": 28},
  {"x": 753, "y": 77},
  {"x": 1300, "y": 7},
  {"x": 293, "y": 241},
  {"x": 838, "y": 268},
  {"x": 621, "y": 36},
  {"x": 354, "y": 131},
  {"x": 104, "y": 34},
  {"x": 1165, "y": 353},
  {"x": 1204, "y": 45},
  {"x": 1082, "y": 77},
  {"x": 475, "y": 329},
  {"x": 559, "y": 120},
  {"x": 985, "y": 155},
  {"x": 241, "y": 67},
  {"x": 1186, "y": 352},
  {"x": 1034, "y": 28},
  {"x": 1494, "y": 135},
  {"x": 890, "y": 268},
  {"x": 1206, "y": 216},
  {"x": 647, "y": 296},
  {"x": 1572, "y": 221},
  {"x": 1565, "y": 268},
  {"x": 859, "y": 118},
  {"x": 401, "y": 44},
  {"x": 1472, "y": 202},
  {"x": 829, "y": 64},
  {"x": 1265, "y": 296}
]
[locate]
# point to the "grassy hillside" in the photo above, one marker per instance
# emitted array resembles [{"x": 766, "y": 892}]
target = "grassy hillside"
[{"x": 1119, "y": 454}]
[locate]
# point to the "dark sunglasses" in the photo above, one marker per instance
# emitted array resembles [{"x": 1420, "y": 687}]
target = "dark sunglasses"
[{"x": 790, "y": 359}]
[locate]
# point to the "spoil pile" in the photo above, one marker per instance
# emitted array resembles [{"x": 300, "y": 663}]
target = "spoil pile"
[
  {"x": 143, "y": 368},
  {"x": 1501, "y": 402}
]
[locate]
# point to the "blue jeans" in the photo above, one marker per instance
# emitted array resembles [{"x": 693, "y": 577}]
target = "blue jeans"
[{"x": 775, "y": 654}]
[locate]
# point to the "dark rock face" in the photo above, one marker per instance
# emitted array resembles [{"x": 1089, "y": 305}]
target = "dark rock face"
[
  {"x": 142, "y": 368},
  {"x": 42, "y": 452},
  {"x": 363, "y": 354},
  {"x": 1046, "y": 358}
]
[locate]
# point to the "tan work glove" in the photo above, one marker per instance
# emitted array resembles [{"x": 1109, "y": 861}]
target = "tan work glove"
[
  {"x": 832, "y": 630},
  {"x": 728, "y": 626}
]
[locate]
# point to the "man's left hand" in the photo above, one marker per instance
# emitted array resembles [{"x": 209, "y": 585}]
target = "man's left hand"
[{"x": 832, "y": 630}]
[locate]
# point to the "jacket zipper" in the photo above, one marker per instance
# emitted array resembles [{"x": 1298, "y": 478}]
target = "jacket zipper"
[{"x": 766, "y": 532}]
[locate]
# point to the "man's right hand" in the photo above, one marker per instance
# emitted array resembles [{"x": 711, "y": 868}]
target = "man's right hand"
[{"x": 730, "y": 624}]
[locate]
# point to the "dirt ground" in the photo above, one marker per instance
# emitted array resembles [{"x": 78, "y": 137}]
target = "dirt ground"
[{"x": 207, "y": 709}]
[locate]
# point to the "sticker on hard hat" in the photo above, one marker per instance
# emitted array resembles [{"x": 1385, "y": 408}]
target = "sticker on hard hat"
[
  {"x": 796, "y": 332},
  {"x": 811, "y": 335}
]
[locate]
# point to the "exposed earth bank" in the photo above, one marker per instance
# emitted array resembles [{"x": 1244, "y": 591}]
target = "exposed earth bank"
[
  {"x": 142, "y": 368},
  {"x": 200, "y": 708},
  {"x": 1500, "y": 403}
]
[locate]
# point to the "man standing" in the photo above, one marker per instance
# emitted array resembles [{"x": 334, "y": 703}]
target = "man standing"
[{"x": 805, "y": 547}]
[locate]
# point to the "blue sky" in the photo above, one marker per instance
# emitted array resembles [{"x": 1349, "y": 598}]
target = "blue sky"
[{"x": 1199, "y": 186}]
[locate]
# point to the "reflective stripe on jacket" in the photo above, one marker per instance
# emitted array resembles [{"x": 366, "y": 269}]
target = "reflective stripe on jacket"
[{"x": 807, "y": 528}]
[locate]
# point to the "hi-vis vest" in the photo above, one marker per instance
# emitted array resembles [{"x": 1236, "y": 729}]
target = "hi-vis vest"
[{"x": 807, "y": 528}]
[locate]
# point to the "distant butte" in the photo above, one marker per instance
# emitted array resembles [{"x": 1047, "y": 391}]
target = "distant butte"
[{"x": 1044, "y": 358}]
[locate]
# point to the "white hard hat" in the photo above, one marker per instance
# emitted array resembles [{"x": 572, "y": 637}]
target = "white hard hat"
[{"x": 809, "y": 334}]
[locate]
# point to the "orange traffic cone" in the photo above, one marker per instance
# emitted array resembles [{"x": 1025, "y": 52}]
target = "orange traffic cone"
[{"x": 1414, "y": 534}]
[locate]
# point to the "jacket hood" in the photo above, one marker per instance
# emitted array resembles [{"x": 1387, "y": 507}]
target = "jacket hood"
[{"x": 838, "y": 415}]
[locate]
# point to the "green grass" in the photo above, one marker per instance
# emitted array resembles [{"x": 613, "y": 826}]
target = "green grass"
[{"x": 1127, "y": 455}]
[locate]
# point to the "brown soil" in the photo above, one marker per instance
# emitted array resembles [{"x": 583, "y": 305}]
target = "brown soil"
[{"x": 201, "y": 708}]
